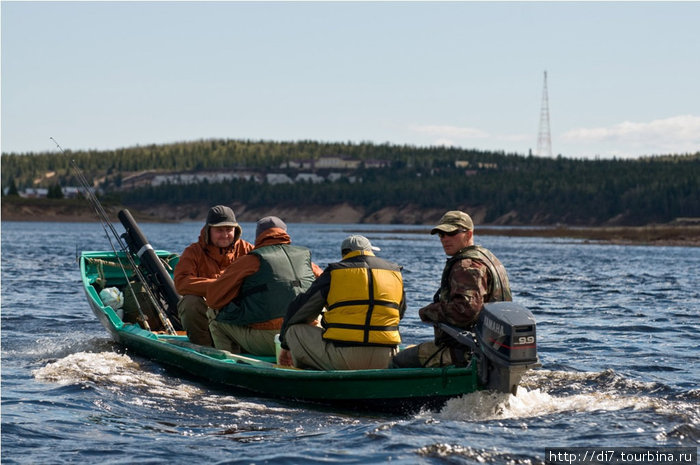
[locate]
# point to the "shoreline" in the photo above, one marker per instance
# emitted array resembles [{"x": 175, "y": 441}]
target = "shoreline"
[
  {"x": 652, "y": 235},
  {"x": 679, "y": 233}
]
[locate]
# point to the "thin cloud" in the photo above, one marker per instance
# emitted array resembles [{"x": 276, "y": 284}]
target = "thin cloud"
[
  {"x": 457, "y": 136},
  {"x": 451, "y": 132},
  {"x": 674, "y": 134},
  {"x": 443, "y": 142}
]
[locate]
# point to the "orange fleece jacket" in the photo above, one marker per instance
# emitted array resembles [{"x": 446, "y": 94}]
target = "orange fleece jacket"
[
  {"x": 227, "y": 286},
  {"x": 202, "y": 262}
]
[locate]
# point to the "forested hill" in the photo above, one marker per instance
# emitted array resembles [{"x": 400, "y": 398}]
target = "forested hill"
[{"x": 507, "y": 188}]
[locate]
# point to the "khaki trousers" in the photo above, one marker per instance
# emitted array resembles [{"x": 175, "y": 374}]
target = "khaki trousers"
[
  {"x": 241, "y": 339},
  {"x": 309, "y": 350},
  {"x": 192, "y": 310},
  {"x": 428, "y": 355}
]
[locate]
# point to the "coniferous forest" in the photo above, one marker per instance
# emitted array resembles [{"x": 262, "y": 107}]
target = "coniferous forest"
[{"x": 640, "y": 191}]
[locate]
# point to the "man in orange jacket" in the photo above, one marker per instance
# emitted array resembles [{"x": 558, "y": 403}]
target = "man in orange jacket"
[
  {"x": 201, "y": 263},
  {"x": 247, "y": 303}
]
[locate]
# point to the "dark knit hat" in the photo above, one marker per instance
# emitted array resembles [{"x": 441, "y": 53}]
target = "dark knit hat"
[
  {"x": 221, "y": 215},
  {"x": 269, "y": 222}
]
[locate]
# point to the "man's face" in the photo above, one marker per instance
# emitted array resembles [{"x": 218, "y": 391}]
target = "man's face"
[
  {"x": 221, "y": 236},
  {"x": 455, "y": 241}
]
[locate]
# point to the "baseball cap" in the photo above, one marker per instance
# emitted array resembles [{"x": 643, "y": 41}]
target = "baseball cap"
[
  {"x": 452, "y": 221},
  {"x": 357, "y": 242}
]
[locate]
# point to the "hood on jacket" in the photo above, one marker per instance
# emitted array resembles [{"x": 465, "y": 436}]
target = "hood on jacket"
[
  {"x": 204, "y": 235},
  {"x": 272, "y": 236}
]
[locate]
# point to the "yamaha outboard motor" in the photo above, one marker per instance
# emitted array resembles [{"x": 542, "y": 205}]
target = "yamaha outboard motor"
[{"x": 507, "y": 342}]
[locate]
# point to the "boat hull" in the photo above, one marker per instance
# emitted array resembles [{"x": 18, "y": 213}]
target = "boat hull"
[{"x": 405, "y": 390}]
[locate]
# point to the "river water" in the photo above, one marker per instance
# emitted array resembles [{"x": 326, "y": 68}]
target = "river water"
[{"x": 618, "y": 337}]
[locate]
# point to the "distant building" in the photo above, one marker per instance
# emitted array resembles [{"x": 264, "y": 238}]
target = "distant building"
[
  {"x": 309, "y": 177},
  {"x": 34, "y": 193},
  {"x": 337, "y": 162},
  {"x": 334, "y": 162},
  {"x": 374, "y": 163},
  {"x": 298, "y": 164},
  {"x": 142, "y": 178},
  {"x": 194, "y": 178},
  {"x": 70, "y": 192},
  {"x": 278, "y": 178}
]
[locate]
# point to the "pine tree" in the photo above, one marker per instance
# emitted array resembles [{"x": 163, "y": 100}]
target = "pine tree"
[
  {"x": 12, "y": 190},
  {"x": 55, "y": 192}
]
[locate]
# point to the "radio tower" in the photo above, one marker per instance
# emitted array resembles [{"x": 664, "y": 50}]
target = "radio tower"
[{"x": 544, "y": 139}]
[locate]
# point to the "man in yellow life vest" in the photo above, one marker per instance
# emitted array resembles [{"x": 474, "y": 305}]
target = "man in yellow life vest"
[{"x": 364, "y": 300}]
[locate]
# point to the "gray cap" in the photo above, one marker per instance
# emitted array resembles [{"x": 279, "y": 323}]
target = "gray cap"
[
  {"x": 221, "y": 215},
  {"x": 356, "y": 242},
  {"x": 452, "y": 221},
  {"x": 269, "y": 222}
]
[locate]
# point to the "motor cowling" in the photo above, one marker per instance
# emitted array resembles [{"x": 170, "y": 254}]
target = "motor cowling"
[{"x": 507, "y": 339}]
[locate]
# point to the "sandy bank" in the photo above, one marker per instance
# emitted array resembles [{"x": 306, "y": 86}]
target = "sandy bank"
[{"x": 80, "y": 211}]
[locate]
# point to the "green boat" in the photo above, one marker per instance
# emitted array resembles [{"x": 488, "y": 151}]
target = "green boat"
[{"x": 503, "y": 347}]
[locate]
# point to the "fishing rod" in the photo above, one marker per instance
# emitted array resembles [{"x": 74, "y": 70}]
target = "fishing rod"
[
  {"x": 97, "y": 206},
  {"x": 106, "y": 223},
  {"x": 141, "y": 316}
]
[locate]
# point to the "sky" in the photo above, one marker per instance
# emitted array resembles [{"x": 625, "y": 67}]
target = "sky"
[{"x": 623, "y": 78}]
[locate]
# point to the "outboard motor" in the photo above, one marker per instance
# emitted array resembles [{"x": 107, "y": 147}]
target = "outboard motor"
[{"x": 507, "y": 342}]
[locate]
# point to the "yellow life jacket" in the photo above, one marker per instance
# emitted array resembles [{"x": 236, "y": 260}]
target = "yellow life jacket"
[{"x": 364, "y": 300}]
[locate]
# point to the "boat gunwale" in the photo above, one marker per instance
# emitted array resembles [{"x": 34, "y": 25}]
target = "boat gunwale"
[{"x": 132, "y": 328}]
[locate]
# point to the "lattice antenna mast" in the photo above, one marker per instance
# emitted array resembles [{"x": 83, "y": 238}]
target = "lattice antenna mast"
[{"x": 544, "y": 139}]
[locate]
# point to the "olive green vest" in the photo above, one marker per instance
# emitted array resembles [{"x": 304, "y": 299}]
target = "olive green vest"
[
  {"x": 499, "y": 286},
  {"x": 285, "y": 272}
]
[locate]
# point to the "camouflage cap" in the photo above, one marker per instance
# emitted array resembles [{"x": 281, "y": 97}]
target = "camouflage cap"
[{"x": 452, "y": 221}]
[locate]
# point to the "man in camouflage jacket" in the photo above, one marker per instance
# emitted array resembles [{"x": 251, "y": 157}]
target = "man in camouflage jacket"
[{"x": 472, "y": 276}]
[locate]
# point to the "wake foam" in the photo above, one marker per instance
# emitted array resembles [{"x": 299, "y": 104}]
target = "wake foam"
[
  {"x": 549, "y": 392},
  {"x": 488, "y": 405},
  {"x": 111, "y": 370},
  {"x": 118, "y": 373}
]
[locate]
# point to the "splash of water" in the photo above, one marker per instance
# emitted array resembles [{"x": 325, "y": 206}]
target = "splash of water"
[
  {"x": 111, "y": 370},
  {"x": 457, "y": 453},
  {"x": 535, "y": 402},
  {"x": 494, "y": 405}
]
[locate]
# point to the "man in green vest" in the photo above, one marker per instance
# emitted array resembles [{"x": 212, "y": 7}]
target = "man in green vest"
[
  {"x": 363, "y": 298},
  {"x": 472, "y": 275},
  {"x": 248, "y": 301}
]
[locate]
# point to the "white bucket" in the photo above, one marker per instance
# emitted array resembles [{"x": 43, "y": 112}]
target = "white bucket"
[{"x": 278, "y": 348}]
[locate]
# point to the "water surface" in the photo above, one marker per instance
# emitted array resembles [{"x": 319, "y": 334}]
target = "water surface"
[{"x": 618, "y": 336}]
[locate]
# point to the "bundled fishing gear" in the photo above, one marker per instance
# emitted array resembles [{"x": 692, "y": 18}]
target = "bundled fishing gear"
[
  {"x": 149, "y": 272},
  {"x": 157, "y": 277}
]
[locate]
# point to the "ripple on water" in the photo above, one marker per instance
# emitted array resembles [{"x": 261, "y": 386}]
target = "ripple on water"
[{"x": 617, "y": 338}]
